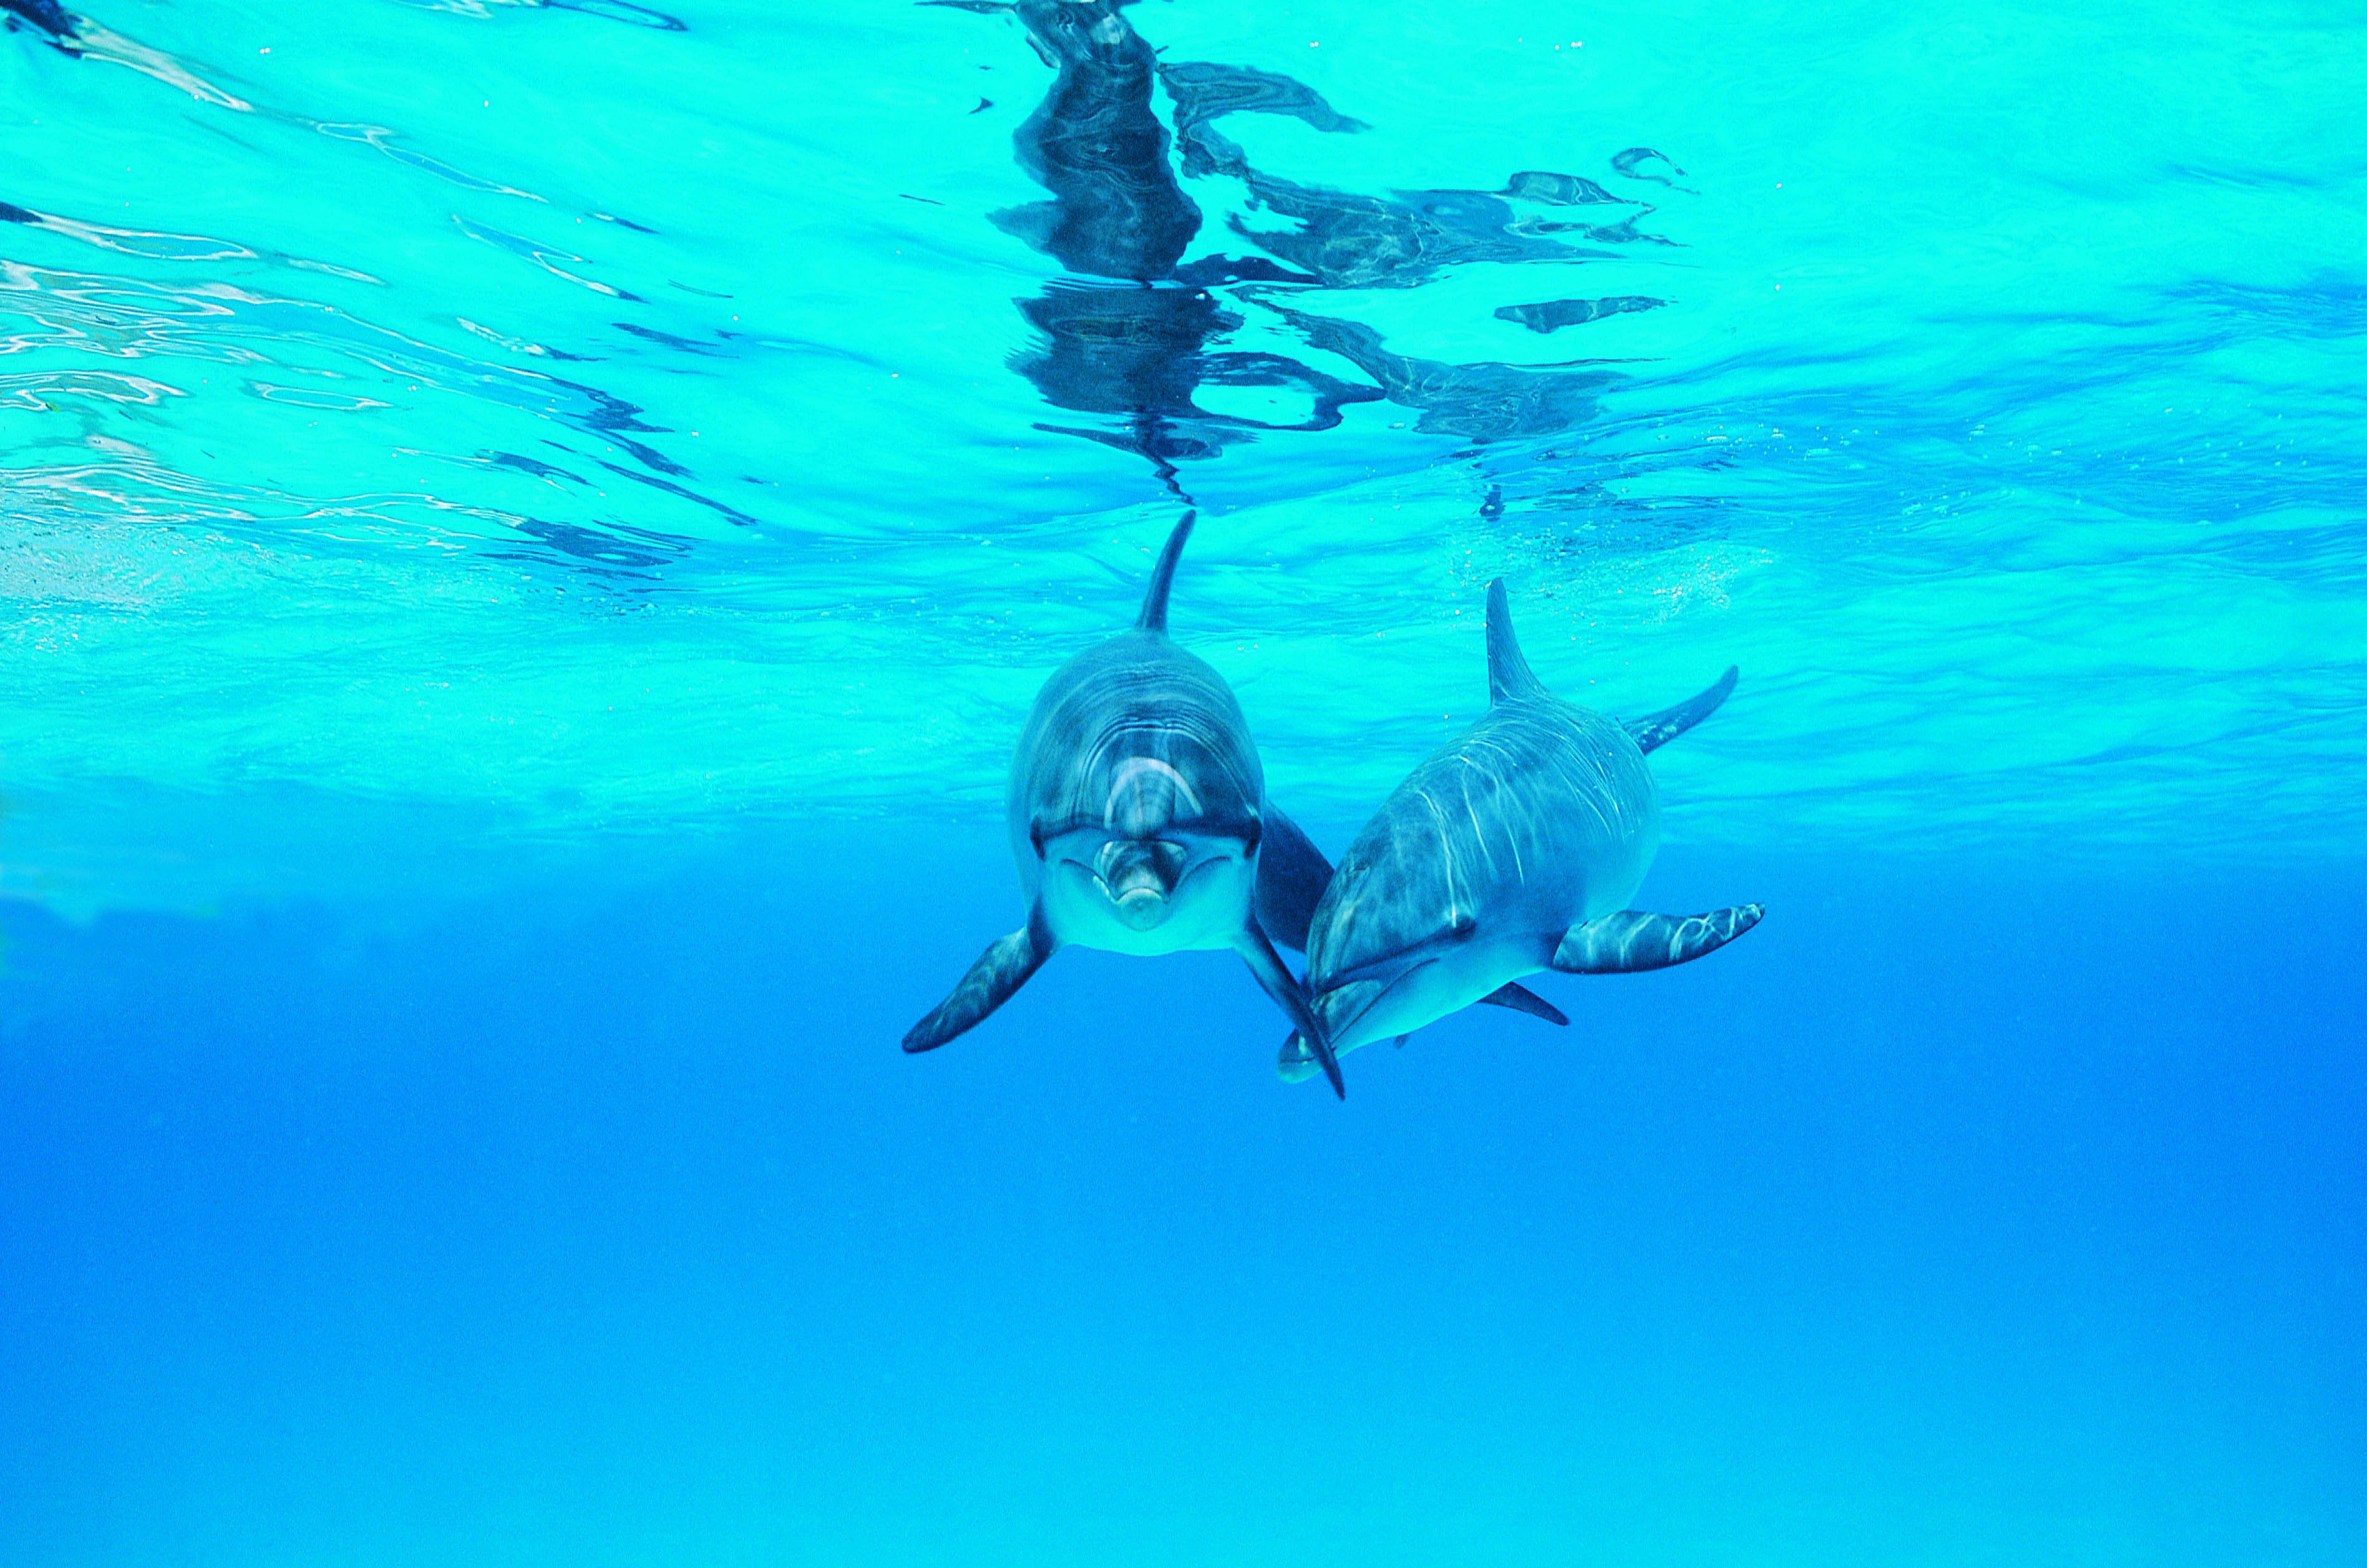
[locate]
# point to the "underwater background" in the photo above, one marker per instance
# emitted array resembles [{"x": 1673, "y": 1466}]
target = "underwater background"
[{"x": 529, "y": 531}]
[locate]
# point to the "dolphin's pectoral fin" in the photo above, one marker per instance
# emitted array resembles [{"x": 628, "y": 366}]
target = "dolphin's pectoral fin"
[
  {"x": 1520, "y": 999},
  {"x": 1655, "y": 730},
  {"x": 1292, "y": 876},
  {"x": 1000, "y": 970},
  {"x": 1275, "y": 975},
  {"x": 1628, "y": 942}
]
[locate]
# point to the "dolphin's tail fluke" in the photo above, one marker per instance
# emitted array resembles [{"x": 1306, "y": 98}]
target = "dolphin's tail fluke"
[
  {"x": 1162, "y": 577},
  {"x": 1654, "y": 730}
]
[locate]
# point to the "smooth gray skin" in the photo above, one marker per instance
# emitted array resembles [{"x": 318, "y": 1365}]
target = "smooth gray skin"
[
  {"x": 1140, "y": 823},
  {"x": 1513, "y": 851}
]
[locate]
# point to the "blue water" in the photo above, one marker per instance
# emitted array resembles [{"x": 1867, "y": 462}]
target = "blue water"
[
  {"x": 1941, "y": 1221},
  {"x": 527, "y": 533}
]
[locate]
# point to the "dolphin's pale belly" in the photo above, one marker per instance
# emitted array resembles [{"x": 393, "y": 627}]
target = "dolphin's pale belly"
[{"x": 1541, "y": 817}]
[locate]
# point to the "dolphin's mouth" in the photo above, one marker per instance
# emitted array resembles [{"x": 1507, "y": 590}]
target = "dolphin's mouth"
[
  {"x": 1144, "y": 881},
  {"x": 1343, "y": 1006},
  {"x": 1139, "y": 878},
  {"x": 1339, "y": 1009}
]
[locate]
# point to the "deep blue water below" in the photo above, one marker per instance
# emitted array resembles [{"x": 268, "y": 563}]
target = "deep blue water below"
[{"x": 1953, "y": 1218}]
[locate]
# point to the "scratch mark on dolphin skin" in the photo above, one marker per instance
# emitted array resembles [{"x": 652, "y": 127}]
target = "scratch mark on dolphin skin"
[
  {"x": 1479, "y": 834},
  {"x": 1135, "y": 768},
  {"x": 1445, "y": 855},
  {"x": 1511, "y": 839}
]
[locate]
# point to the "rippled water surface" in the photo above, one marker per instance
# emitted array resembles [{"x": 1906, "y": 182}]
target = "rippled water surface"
[
  {"x": 605, "y": 419},
  {"x": 528, "y": 528}
]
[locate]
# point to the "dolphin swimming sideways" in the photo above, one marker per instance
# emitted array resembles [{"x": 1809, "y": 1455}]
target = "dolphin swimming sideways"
[
  {"x": 1513, "y": 851},
  {"x": 1139, "y": 818}
]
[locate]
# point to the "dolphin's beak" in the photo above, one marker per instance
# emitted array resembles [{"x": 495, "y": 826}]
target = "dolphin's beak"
[
  {"x": 1140, "y": 876},
  {"x": 1342, "y": 1007}
]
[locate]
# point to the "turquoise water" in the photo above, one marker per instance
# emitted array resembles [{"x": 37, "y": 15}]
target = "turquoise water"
[{"x": 529, "y": 531}]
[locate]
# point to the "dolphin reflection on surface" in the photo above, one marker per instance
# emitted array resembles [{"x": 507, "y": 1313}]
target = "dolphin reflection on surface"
[{"x": 1127, "y": 336}]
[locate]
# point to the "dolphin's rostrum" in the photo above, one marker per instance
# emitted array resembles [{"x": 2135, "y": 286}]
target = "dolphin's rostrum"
[
  {"x": 1513, "y": 851},
  {"x": 1140, "y": 822}
]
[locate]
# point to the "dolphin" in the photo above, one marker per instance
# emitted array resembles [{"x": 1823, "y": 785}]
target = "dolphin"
[
  {"x": 1139, "y": 823},
  {"x": 1513, "y": 851}
]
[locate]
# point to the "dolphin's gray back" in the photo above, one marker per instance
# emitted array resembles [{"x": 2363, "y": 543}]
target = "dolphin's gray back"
[
  {"x": 1134, "y": 698},
  {"x": 1541, "y": 816}
]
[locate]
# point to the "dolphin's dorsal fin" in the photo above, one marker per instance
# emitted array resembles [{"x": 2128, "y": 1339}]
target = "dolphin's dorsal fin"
[
  {"x": 1508, "y": 673},
  {"x": 1659, "y": 728},
  {"x": 1162, "y": 577}
]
